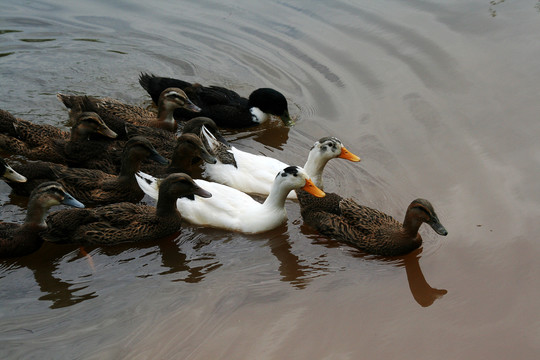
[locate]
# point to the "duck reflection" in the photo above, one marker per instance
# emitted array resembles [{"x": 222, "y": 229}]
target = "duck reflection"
[
  {"x": 422, "y": 292},
  {"x": 269, "y": 134},
  {"x": 47, "y": 261}
]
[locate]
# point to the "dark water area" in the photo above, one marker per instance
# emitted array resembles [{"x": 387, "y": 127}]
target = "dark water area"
[{"x": 440, "y": 99}]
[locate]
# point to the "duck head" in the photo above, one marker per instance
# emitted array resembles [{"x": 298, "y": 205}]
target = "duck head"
[
  {"x": 269, "y": 101},
  {"x": 88, "y": 123},
  {"x": 191, "y": 147},
  {"x": 174, "y": 98},
  {"x": 9, "y": 174},
  {"x": 421, "y": 211},
  {"x": 295, "y": 177}
]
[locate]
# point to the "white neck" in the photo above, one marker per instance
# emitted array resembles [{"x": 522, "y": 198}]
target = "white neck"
[
  {"x": 314, "y": 167},
  {"x": 277, "y": 196},
  {"x": 258, "y": 116}
]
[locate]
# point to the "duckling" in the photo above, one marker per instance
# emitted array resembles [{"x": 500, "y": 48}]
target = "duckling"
[
  {"x": 125, "y": 222},
  {"x": 188, "y": 148},
  {"x": 74, "y": 151},
  {"x": 7, "y": 173},
  {"x": 224, "y": 106},
  {"x": 253, "y": 173},
  {"x": 92, "y": 186},
  {"x": 369, "y": 229},
  {"x": 169, "y": 100},
  {"x": 23, "y": 239},
  {"x": 234, "y": 210}
]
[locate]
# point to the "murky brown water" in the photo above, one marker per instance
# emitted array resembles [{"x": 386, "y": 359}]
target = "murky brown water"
[{"x": 440, "y": 99}]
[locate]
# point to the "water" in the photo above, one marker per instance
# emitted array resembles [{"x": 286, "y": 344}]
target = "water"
[{"x": 439, "y": 99}]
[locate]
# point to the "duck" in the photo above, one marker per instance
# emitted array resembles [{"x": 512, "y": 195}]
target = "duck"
[
  {"x": 124, "y": 222},
  {"x": 23, "y": 239},
  {"x": 226, "y": 107},
  {"x": 117, "y": 113},
  {"x": 29, "y": 132},
  {"x": 254, "y": 174},
  {"x": 78, "y": 149},
  {"x": 93, "y": 186},
  {"x": 7, "y": 173},
  {"x": 234, "y": 210},
  {"x": 368, "y": 229},
  {"x": 189, "y": 148}
]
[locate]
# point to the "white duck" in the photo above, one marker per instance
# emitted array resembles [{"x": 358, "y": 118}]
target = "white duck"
[
  {"x": 254, "y": 174},
  {"x": 232, "y": 209}
]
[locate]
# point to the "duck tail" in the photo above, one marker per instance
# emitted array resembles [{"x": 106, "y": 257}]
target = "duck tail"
[{"x": 148, "y": 184}]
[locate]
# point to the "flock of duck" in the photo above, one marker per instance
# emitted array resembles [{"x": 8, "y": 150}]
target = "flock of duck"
[{"x": 116, "y": 153}]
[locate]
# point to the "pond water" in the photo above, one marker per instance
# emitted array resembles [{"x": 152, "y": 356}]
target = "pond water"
[{"x": 439, "y": 98}]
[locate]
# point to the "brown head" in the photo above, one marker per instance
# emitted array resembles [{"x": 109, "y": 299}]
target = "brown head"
[
  {"x": 88, "y": 123},
  {"x": 174, "y": 98},
  {"x": 421, "y": 211},
  {"x": 190, "y": 146}
]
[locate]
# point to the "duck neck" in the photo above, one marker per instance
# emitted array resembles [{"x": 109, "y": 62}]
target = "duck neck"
[
  {"x": 314, "y": 168},
  {"x": 277, "y": 197},
  {"x": 257, "y": 115},
  {"x": 35, "y": 215},
  {"x": 411, "y": 224},
  {"x": 129, "y": 166},
  {"x": 180, "y": 161},
  {"x": 166, "y": 205},
  {"x": 165, "y": 113}
]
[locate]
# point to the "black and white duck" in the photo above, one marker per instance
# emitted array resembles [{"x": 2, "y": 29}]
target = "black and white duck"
[{"x": 226, "y": 107}]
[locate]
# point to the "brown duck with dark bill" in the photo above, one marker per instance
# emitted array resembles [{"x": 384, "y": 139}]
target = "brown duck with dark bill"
[
  {"x": 124, "y": 222},
  {"x": 119, "y": 112},
  {"x": 92, "y": 186},
  {"x": 75, "y": 151},
  {"x": 23, "y": 239}
]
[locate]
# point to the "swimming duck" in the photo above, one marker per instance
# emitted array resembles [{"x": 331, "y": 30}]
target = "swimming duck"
[
  {"x": 74, "y": 151},
  {"x": 23, "y": 239},
  {"x": 29, "y": 132},
  {"x": 234, "y": 210},
  {"x": 224, "y": 106},
  {"x": 92, "y": 186},
  {"x": 189, "y": 147},
  {"x": 253, "y": 173},
  {"x": 124, "y": 222},
  {"x": 115, "y": 111},
  {"x": 7, "y": 173},
  {"x": 369, "y": 229}
]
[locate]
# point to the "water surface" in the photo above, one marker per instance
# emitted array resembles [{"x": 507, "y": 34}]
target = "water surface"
[{"x": 440, "y": 99}]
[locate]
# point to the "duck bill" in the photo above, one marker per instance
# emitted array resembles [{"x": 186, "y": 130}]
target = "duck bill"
[
  {"x": 286, "y": 118},
  {"x": 207, "y": 157},
  {"x": 202, "y": 193},
  {"x": 312, "y": 189},
  {"x": 438, "y": 227},
  {"x": 71, "y": 201},
  {"x": 12, "y": 175},
  {"x": 191, "y": 106},
  {"x": 105, "y": 131},
  {"x": 347, "y": 155},
  {"x": 155, "y": 156}
]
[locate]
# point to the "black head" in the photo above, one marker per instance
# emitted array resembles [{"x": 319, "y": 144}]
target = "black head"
[
  {"x": 271, "y": 101},
  {"x": 181, "y": 185},
  {"x": 141, "y": 148}
]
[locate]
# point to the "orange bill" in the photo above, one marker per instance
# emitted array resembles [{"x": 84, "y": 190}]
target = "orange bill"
[
  {"x": 312, "y": 189},
  {"x": 346, "y": 154}
]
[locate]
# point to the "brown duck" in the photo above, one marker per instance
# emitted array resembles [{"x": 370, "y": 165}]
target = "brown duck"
[
  {"x": 23, "y": 239},
  {"x": 369, "y": 229},
  {"x": 30, "y": 133},
  {"x": 74, "y": 151},
  {"x": 124, "y": 222},
  {"x": 92, "y": 186},
  {"x": 116, "y": 111}
]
